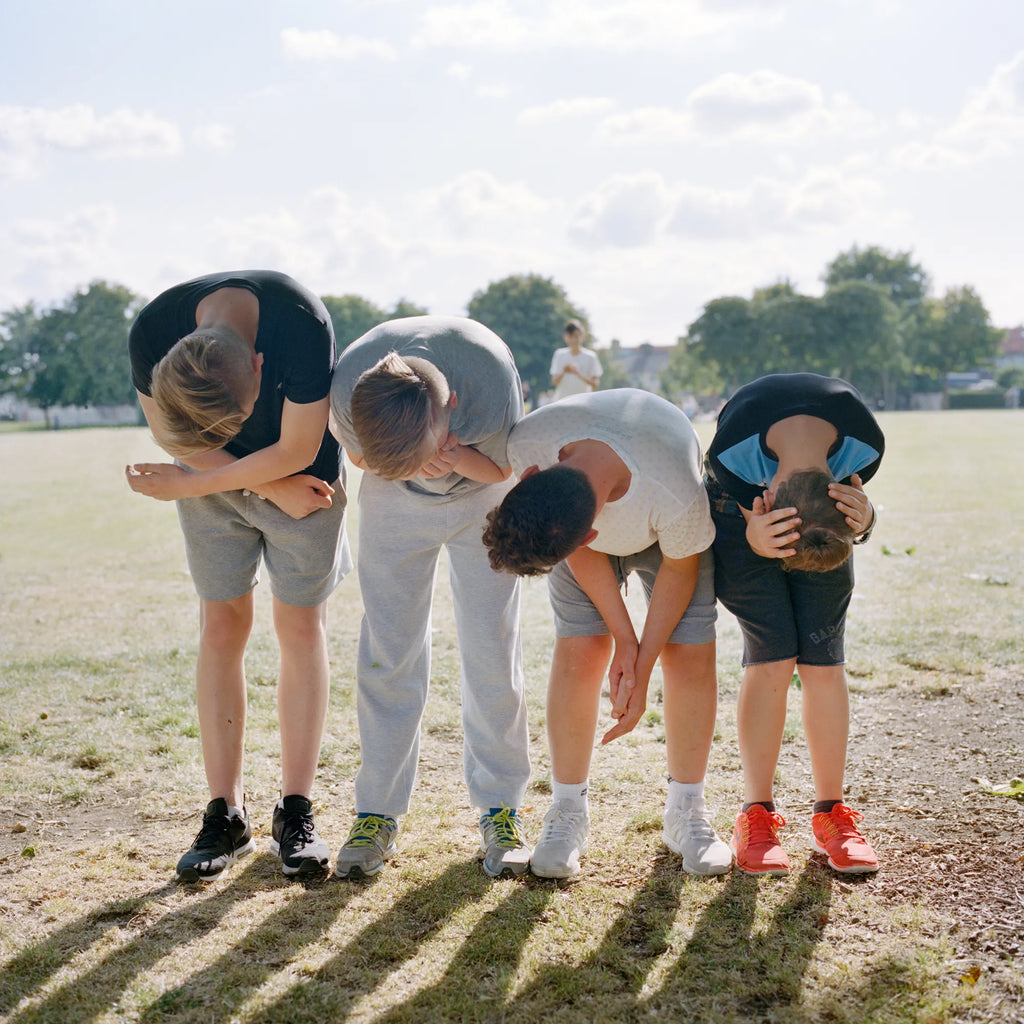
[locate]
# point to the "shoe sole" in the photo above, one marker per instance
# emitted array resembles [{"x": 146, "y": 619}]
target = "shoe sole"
[
  {"x": 306, "y": 866},
  {"x": 356, "y": 871},
  {"x": 508, "y": 871},
  {"x": 774, "y": 872},
  {"x": 700, "y": 870},
  {"x": 194, "y": 874},
  {"x": 850, "y": 869},
  {"x": 567, "y": 872}
]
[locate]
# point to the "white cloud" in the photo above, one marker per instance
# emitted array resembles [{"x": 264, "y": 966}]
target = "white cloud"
[
  {"x": 629, "y": 211},
  {"x": 323, "y": 44},
  {"x": 990, "y": 124},
  {"x": 459, "y": 70},
  {"x": 763, "y": 106},
  {"x": 608, "y": 25},
  {"x": 27, "y": 131},
  {"x": 624, "y": 211},
  {"x": 561, "y": 110},
  {"x": 478, "y": 203},
  {"x": 214, "y": 137}
]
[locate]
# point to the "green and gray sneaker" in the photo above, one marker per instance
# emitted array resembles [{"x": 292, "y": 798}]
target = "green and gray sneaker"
[
  {"x": 371, "y": 841},
  {"x": 503, "y": 847}
]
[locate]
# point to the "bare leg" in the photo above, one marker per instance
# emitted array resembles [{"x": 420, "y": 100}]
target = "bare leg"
[
  {"x": 691, "y": 704},
  {"x": 574, "y": 700},
  {"x": 826, "y": 716},
  {"x": 302, "y": 692},
  {"x": 224, "y": 628},
  {"x": 760, "y": 721}
]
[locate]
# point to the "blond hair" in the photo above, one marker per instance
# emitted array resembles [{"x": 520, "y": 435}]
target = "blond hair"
[
  {"x": 826, "y": 538},
  {"x": 195, "y": 388},
  {"x": 394, "y": 406}
]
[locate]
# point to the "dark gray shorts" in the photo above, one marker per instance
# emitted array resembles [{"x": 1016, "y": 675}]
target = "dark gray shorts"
[
  {"x": 576, "y": 614},
  {"x": 227, "y": 534},
  {"x": 782, "y": 613}
]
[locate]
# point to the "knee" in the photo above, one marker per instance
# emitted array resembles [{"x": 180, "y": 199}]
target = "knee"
[
  {"x": 300, "y": 628},
  {"x": 224, "y": 626}
]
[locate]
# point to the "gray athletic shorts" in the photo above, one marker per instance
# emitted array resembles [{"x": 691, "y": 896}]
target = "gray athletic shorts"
[
  {"x": 576, "y": 615},
  {"x": 227, "y": 534}
]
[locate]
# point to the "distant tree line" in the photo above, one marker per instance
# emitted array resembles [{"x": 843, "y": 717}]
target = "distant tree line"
[{"x": 875, "y": 325}]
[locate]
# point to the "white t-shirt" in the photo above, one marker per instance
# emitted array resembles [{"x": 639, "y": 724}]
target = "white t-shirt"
[
  {"x": 586, "y": 362},
  {"x": 666, "y": 501}
]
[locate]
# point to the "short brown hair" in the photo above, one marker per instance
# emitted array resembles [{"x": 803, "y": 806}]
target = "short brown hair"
[
  {"x": 394, "y": 405},
  {"x": 195, "y": 388},
  {"x": 542, "y": 520},
  {"x": 573, "y": 327},
  {"x": 826, "y": 538}
]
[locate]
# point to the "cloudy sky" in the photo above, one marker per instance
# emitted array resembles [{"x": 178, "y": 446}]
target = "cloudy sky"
[{"x": 649, "y": 155}]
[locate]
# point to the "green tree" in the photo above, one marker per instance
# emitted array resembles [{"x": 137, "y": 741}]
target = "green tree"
[
  {"x": 725, "y": 339},
  {"x": 81, "y": 349},
  {"x": 956, "y": 335},
  {"x": 17, "y": 356},
  {"x": 905, "y": 281},
  {"x": 528, "y": 312},
  {"x": 861, "y": 337},
  {"x": 352, "y": 316},
  {"x": 613, "y": 374},
  {"x": 791, "y": 334}
]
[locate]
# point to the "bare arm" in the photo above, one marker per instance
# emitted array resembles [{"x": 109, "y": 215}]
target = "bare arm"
[
  {"x": 673, "y": 590},
  {"x": 270, "y": 471},
  {"x": 453, "y": 457},
  {"x": 594, "y": 573}
]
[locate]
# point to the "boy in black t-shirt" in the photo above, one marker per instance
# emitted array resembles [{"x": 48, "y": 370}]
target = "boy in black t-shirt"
[
  {"x": 785, "y": 475},
  {"x": 233, "y": 372}
]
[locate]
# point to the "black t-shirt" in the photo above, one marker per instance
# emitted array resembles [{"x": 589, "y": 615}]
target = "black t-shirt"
[
  {"x": 295, "y": 336},
  {"x": 739, "y": 458}
]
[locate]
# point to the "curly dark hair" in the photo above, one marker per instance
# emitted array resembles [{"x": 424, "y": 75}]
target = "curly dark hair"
[
  {"x": 826, "y": 538},
  {"x": 543, "y": 519}
]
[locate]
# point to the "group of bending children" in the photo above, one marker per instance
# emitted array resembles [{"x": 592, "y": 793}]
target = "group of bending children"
[{"x": 239, "y": 382}]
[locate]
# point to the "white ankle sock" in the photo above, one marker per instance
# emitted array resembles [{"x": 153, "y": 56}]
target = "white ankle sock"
[
  {"x": 685, "y": 794},
  {"x": 574, "y": 792}
]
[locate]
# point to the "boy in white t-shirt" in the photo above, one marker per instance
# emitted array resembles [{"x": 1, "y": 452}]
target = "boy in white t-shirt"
[
  {"x": 574, "y": 370},
  {"x": 611, "y": 483}
]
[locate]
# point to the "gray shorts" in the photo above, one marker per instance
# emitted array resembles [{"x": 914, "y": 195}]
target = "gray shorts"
[
  {"x": 227, "y": 534},
  {"x": 576, "y": 615}
]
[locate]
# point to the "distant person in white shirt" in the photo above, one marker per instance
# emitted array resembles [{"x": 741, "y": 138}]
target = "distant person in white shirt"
[{"x": 575, "y": 370}]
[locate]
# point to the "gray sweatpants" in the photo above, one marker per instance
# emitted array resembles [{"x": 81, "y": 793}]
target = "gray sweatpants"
[{"x": 401, "y": 534}]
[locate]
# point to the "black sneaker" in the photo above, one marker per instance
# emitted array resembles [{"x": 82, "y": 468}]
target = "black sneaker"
[
  {"x": 223, "y": 839},
  {"x": 295, "y": 840}
]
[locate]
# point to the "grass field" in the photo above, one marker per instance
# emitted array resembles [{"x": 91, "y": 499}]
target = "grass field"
[{"x": 102, "y": 787}]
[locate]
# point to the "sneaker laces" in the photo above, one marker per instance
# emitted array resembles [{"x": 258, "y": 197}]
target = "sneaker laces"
[
  {"x": 300, "y": 825},
  {"x": 214, "y": 826},
  {"x": 695, "y": 823},
  {"x": 762, "y": 827},
  {"x": 506, "y": 828},
  {"x": 563, "y": 824},
  {"x": 842, "y": 821},
  {"x": 366, "y": 831}
]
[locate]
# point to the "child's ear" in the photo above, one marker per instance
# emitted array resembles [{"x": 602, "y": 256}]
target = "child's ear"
[
  {"x": 453, "y": 400},
  {"x": 591, "y": 535},
  {"x": 528, "y": 472}
]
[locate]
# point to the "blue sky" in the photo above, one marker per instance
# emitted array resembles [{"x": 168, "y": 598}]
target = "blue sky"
[{"x": 648, "y": 155}]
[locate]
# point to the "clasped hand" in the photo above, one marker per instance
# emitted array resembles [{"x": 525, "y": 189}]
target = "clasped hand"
[
  {"x": 445, "y": 458},
  {"x": 628, "y": 697}
]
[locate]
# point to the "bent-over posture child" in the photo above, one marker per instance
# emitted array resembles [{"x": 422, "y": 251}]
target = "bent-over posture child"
[
  {"x": 784, "y": 474},
  {"x": 425, "y": 405},
  {"x": 234, "y": 373},
  {"x": 610, "y": 484}
]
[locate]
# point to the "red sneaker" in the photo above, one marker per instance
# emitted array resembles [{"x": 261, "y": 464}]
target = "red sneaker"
[
  {"x": 755, "y": 841},
  {"x": 836, "y": 835}
]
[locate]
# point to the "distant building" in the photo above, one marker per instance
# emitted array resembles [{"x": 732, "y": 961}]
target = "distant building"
[
  {"x": 643, "y": 365},
  {"x": 1011, "y": 349}
]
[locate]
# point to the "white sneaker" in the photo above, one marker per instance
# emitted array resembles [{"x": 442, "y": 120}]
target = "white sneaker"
[
  {"x": 688, "y": 832},
  {"x": 563, "y": 840}
]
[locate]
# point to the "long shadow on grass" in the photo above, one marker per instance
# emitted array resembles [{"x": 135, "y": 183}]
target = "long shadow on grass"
[
  {"x": 731, "y": 971},
  {"x": 76, "y": 1001},
  {"x": 606, "y": 986},
  {"x": 484, "y": 969},
  {"x": 371, "y": 956}
]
